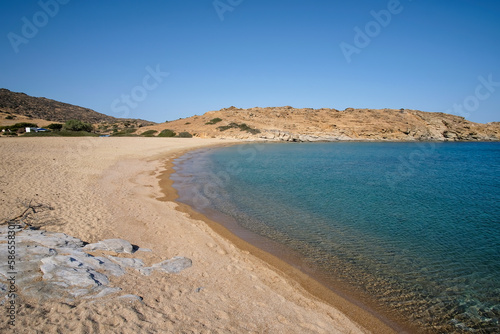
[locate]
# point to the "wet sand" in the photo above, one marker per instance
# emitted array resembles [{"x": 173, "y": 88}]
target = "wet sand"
[{"x": 286, "y": 261}]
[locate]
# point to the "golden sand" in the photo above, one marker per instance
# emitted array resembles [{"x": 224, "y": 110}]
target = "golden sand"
[{"x": 119, "y": 188}]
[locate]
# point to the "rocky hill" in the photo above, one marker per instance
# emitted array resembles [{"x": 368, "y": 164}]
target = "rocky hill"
[
  {"x": 51, "y": 110},
  {"x": 275, "y": 124},
  {"x": 289, "y": 124}
]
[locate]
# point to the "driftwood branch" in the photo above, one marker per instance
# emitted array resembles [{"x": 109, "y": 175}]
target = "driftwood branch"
[{"x": 24, "y": 218}]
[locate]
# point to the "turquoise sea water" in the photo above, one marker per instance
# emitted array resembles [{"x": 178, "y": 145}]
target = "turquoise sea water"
[{"x": 415, "y": 227}]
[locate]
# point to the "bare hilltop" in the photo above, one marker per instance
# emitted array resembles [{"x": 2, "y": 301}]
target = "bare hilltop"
[{"x": 299, "y": 125}]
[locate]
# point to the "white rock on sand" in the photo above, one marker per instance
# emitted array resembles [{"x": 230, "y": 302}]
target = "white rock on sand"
[
  {"x": 62, "y": 266},
  {"x": 114, "y": 245}
]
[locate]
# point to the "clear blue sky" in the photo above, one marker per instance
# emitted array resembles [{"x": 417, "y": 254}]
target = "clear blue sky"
[{"x": 432, "y": 55}]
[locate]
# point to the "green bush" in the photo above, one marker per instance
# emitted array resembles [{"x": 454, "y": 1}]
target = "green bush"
[
  {"x": 125, "y": 132},
  {"x": 185, "y": 135},
  {"x": 167, "y": 133},
  {"x": 76, "y": 125},
  {"x": 13, "y": 134},
  {"x": 149, "y": 133},
  {"x": 18, "y": 126},
  {"x": 62, "y": 133},
  {"x": 242, "y": 127},
  {"x": 10, "y": 117},
  {"x": 214, "y": 121},
  {"x": 227, "y": 127},
  {"x": 55, "y": 126}
]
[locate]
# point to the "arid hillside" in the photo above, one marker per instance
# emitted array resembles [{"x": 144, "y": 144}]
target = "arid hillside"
[
  {"x": 50, "y": 110},
  {"x": 274, "y": 124},
  {"x": 289, "y": 124}
]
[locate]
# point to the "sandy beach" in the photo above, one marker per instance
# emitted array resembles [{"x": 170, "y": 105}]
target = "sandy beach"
[{"x": 102, "y": 188}]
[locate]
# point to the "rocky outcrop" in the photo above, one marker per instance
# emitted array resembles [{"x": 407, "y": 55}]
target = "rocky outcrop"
[
  {"x": 309, "y": 125},
  {"x": 279, "y": 123},
  {"x": 294, "y": 137},
  {"x": 47, "y": 265}
]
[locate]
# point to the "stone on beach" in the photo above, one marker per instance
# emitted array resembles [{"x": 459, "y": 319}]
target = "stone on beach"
[
  {"x": 53, "y": 265},
  {"x": 114, "y": 245},
  {"x": 174, "y": 265},
  {"x": 127, "y": 262},
  {"x": 50, "y": 239},
  {"x": 104, "y": 292},
  {"x": 62, "y": 271}
]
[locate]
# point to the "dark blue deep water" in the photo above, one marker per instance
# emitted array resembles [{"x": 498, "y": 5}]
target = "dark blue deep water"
[{"x": 414, "y": 226}]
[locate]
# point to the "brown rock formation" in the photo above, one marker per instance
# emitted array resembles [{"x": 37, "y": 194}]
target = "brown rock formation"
[{"x": 289, "y": 124}]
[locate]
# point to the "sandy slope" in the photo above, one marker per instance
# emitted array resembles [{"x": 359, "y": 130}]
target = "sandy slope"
[{"x": 108, "y": 188}]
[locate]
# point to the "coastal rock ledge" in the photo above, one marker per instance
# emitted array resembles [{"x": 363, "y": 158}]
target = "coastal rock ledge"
[{"x": 47, "y": 265}]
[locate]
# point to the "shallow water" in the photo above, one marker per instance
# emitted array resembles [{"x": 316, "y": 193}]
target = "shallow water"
[{"x": 413, "y": 226}]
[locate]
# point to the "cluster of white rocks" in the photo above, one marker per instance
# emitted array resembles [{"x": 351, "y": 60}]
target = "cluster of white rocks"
[
  {"x": 47, "y": 265},
  {"x": 275, "y": 135}
]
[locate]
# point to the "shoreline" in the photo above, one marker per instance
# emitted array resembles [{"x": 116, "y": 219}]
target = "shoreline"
[
  {"x": 106, "y": 188},
  {"x": 345, "y": 303}
]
